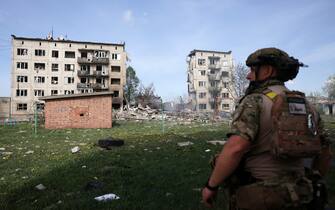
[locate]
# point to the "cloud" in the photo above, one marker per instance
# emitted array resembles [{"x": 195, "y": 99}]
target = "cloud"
[{"x": 128, "y": 16}]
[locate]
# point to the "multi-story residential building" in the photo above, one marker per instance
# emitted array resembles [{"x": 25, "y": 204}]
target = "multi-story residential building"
[
  {"x": 209, "y": 78},
  {"x": 44, "y": 67}
]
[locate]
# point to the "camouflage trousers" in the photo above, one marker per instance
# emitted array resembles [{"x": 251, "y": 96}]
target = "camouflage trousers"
[{"x": 284, "y": 194}]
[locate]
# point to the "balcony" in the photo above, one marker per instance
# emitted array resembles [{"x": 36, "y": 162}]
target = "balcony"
[
  {"x": 83, "y": 73},
  {"x": 83, "y": 85},
  {"x": 214, "y": 66},
  {"x": 214, "y": 77},
  {"x": 101, "y": 74},
  {"x": 98, "y": 86},
  {"x": 95, "y": 60}
]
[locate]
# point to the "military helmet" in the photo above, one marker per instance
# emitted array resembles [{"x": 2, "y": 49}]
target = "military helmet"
[{"x": 287, "y": 66}]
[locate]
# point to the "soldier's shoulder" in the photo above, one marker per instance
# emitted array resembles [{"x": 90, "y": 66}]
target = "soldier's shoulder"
[{"x": 252, "y": 98}]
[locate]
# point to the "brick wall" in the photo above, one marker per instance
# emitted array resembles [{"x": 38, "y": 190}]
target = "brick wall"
[{"x": 79, "y": 112}]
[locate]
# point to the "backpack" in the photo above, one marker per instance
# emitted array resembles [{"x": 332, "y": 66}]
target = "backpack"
[{"x": 295, "y": 125}]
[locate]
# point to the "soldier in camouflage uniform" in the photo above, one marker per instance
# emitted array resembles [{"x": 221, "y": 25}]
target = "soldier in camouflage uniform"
[{"x": 264, "y": 182}]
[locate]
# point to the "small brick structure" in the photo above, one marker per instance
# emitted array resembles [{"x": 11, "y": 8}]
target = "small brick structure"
[{"x": 90, "y": 110}]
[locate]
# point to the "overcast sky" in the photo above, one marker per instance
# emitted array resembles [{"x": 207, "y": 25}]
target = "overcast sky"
[{"x": 159, "y": 34}]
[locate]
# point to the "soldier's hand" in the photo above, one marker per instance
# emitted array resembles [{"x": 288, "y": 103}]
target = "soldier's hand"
[{"x": 208, "y": 197}]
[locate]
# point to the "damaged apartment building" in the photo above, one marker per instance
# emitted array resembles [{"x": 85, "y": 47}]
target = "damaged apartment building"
[
  {"x": 49, "y": 67},
  {"x": 209, "y": 78}
]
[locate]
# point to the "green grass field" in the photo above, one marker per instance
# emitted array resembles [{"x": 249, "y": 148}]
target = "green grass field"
[{"x": 149, "y": 172}]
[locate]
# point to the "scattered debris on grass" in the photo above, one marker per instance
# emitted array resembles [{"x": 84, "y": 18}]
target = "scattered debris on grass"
[
  {"x": 107, "y": 197},
  {"x": 30, "y": 152},
  {"x": 216, "y": 142},
  {"x": 40, "y": 187},
  {"x": 168, "y": 194},
  {"x": 6, "y": 153},
  {"x": 184, "y": 144},
  {"x": 207, "y": 150},
  {"x": 75, "y": 149},
  {"x": 2, "y": 149},
  {"x": 108, "y": 143}
]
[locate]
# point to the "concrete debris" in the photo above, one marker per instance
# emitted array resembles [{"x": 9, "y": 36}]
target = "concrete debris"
[
  {"x": 6, "y": 153},
  {"x": 186, "y": 117},
  {"x": 30, "y": 152},
  {"x": 40, "y": 187},
  {"x": 216, "y": 142},
  {"x": 107, "y": 197},
  {"x": 184, "y": 144},
  {"x": 75, "y": 149}
]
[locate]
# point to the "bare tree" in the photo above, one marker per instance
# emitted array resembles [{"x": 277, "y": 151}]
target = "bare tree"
[
  {"x": 239, "y": 81},
  {"x": 146, "y": 96},
  {"x": 329, "y": 87}
]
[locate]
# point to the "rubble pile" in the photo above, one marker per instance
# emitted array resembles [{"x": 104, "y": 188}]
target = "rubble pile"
[{"x": 146, "y": 113}]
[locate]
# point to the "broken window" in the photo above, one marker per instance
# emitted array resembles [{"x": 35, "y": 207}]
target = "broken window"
[
  {"x": 116, "y": 56},
  {"x": 202, "y": 95},
  {"x": 225, "y": 74},
  {"x": 83, "y": 80},
  {"x": 202, "y": 83},
  {"x": 70, "y": 54},
  {"x": 85, "y": 67},
  {"x": 54, "y": 80},
  {"x": 115, "y": 81},
  {"x": 54, "y": 53},
  {"x": 68, "y": 92},
  {"x": 39, "y": 92},
  {"x": 39, "y": 52},
  {"x": 99, "y": 68},
  {"x": 98, "y": 81},
  {"x": 225, "y": 95},
  {"x": 201, "y": 62},
  {"x": 54, "y": 67},
  {"x": 54, "y": 92},
  {"x": 21, "y": 106},
  {"x": 21, "y": 51},
  {"x": 115, "y": 68},
  {"x": 225, "y": 106},
  {"x": 202, "y": 72},
  {"x": 225, "y": 84},
  {"x": 39, "y": 79},
  {"x": 214, "y": 60},
  {"x": 69, "y": 67},
  {"x": 116, "y": 93},
  {"x": 202, "y": 106},
  {"x": 21, "y": 92},
  {"x": 39, "y": 66},
  {"x": 225, "y": 63},
  {"x": 84, "y": 54},
  {"x": 22, "y": 65},
  {"x": 214, "y": 83},
  {"x": 40, "y": 107},
  {"x": 68, "y": 80},
  {"x": 22, "y": 79}
]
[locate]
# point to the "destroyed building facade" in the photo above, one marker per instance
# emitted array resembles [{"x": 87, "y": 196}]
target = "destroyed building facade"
[
  {"x": 209, "y": 78},
  {"x": 51, "y": 67}
]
